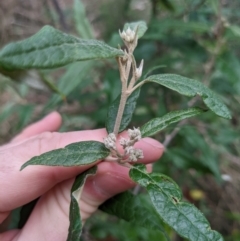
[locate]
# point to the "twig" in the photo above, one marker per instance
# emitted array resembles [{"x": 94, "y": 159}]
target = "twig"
[
  {"x": 172, "y": 135},
  {"x": 61, "y": 15}
]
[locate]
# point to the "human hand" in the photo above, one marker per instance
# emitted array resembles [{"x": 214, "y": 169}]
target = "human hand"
[{"x": 49, "y": 219}]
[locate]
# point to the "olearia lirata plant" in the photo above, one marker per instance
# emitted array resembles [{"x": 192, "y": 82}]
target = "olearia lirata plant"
[{"x": 50, "y": 48}]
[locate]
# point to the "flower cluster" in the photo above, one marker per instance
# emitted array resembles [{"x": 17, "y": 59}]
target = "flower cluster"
[
  {"x": 110, "y": 141},
  {"x": 129, "y": 37},
  {"x": 134, "y": 154},
  {"x": 131, "y": 154},
  {"x": 135, "y": 134},
  {"x": 127, "y": 144}
]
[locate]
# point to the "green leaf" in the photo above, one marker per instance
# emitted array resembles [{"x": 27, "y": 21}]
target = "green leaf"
[
  {"x": 141, "y": 27},
  {"x": 51, "y": 48},
  {"x": 127, "y": 114},
  {"x": 149, "y": 71},
  {"x": 49, "y": 83},
  {"x": 30, "y": 77},
  {"x": 25, "y": 212},
  {"x": 204, "y": 157},
  {"x": 83, "y": 26},
  {"x": 157, "y": 124},
  {"x": 76, "y": 72},
  {"x": 167, "y": 4},
  {"x": 75, "y": 227},
  {"x": 166, "y": 197},
  {"x": 104, "y": 228},
  {"x": 7, "y": 110},
  {"x": 75, "y": 154},
  {"x": 134, "y": 209},
  {"x": 235, "y": 30},
  {"x": 215, "y": 5},
  {"x": 175, "y": 28},
  {"x": 191, "y": 88}
]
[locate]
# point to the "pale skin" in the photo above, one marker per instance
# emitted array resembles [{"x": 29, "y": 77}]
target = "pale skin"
[{"x": 50, "y": 217}]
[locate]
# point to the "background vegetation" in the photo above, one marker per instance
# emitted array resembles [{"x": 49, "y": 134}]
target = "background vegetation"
[{"x": 194, "y": 38}]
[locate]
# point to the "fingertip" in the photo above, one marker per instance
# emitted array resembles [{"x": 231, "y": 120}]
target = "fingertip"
[
  {"x": 152, "y": 142},
  {"x": 55, "y": 118},
  {"x": 152, "y": 149}
]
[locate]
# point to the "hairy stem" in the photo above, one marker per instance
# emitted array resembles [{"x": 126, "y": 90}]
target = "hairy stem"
[
  {"x": 138, "y": 85},
  {"x": 128, "y": 67},
  {"x": 134, "y": 77},
  {"x": 125, "y": 64},
  {"x": 121, "y": 108},
  {"x": 124, "y": 96}
]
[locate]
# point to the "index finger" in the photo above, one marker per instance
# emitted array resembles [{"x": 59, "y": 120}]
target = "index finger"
[{"x": 32, "y": 182}]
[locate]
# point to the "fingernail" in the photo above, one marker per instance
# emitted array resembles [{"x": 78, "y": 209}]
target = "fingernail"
[{"x": 154, "y": 143}]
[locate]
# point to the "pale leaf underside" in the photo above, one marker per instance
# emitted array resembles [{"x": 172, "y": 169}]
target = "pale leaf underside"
[{"x": 75, "y": 227}]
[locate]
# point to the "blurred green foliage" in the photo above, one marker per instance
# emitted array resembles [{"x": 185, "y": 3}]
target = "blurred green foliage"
[{"x": 194, "y": 38}]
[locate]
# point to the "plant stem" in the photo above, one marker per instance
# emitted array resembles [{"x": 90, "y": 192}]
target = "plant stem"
[
  {"x": 134, "y": 78},
  {"x": 121, "y": 108},
  {"x": 124, "y": 69},
  {"x": 128, "y": 67},
  {"x": 124, "y": 95},
  {"x": 138, "y": 85}
]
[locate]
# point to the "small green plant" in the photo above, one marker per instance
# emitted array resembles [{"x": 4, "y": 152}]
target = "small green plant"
[{"x": 50, "y": 48}]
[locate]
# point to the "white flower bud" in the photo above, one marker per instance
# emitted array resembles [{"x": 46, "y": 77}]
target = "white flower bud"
[
  {"x": 122, "y": 34},
  {"x": 128, "y": 35},
  {"x": 139, "y": 70},
  {"x": 129, "y": 149},
  {"x": 112, "y": 137},
  {"x": 132, "y": 158},
  {"x": 110, "y": 141},
  {"x": 127, "y": 38},
  {"x": 139, "y": 153},
  {"x": 134, "y": 134},
  {"x": 124, "y": 142},
  {"x": 129, "y": 31},
  {"x": 135, "y": 154}
]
